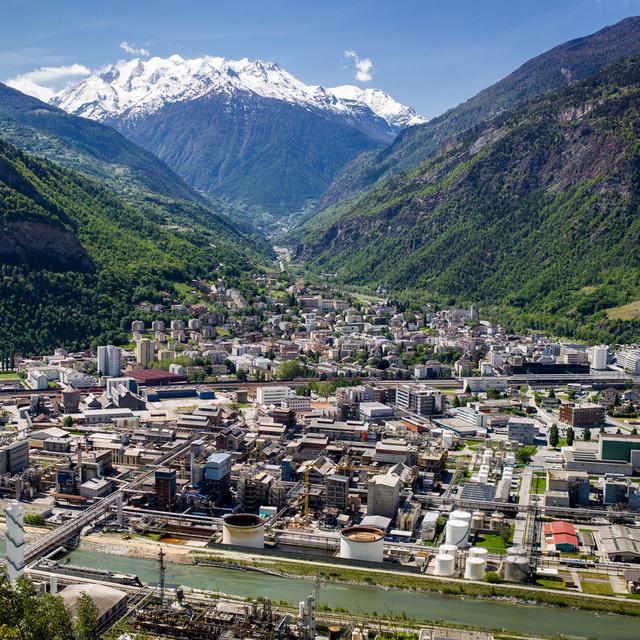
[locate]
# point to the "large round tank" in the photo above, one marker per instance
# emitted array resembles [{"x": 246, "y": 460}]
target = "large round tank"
[
  {"x": 477, "y": 521},
  {"x": 243, "y": 530},
  {"x": 474, "y": 569},
  {"x": 460, "y": 515},
  {"x": 516, "y": 550},
  {"x": 516, "y": 569},
  {"x": 362, "y": 543},
  {"x": 457, "y": 532},
  {"x": 478, "y": 552},
  {"x": 445, "y": 565}
]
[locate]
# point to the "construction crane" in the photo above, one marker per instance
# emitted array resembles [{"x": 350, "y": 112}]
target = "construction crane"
[{"x": 306, "y": 493}]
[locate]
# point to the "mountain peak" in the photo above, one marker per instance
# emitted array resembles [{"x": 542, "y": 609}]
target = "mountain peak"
[{"x": 139, "y": 87}]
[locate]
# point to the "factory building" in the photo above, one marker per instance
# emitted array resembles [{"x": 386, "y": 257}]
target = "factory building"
[
  {"x": 217, "y": 476},
  {"x": 383, "y": 495},
  {"x": 14, "y": 457}
]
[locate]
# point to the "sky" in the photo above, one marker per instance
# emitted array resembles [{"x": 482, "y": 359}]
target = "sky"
[{"x": 429, "y": 54}]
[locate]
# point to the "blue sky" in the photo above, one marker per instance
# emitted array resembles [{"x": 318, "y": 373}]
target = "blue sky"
[{"x": 428, "y": 54}]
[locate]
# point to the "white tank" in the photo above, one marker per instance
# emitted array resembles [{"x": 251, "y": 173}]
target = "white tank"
[
  {"x": 516, "y": 551},
  {"x": 243, "y": 530},
  {"x": 477, "y": 520},
  {"x": 449, "y": 549},
  {"x": 478, "y": 552},
  {"x": 460, "y": 515},
  {"x": 362, "y": 543},
  {"x": 457, "y": 532},
  {"x": 445, "y": 565},
  {"x": 474, "y": 569},
  {"x": 516, "y": 569}
]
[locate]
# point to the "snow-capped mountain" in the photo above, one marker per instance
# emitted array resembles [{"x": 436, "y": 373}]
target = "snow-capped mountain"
[
  {"x": 136, "y": 88},
  {"x": 398, "y": 115},
  {"x": 245, "y": 130}
]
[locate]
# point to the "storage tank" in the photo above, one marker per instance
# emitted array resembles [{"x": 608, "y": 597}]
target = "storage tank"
[
  {"x": 362, "y": 543},
  {"x": 477, "y": 521},
  {"x": 478, "y": 552},
  {"x": 460, "y": 515},
  {"x": 457, "y": 532},
  {"x": 496, "y": 521},
  {"x": 474, "y": 569},
  {"x": 515, "y": 550},
  {"x": 450, "y": 549},
  {"x": 516, "y": 569},
  {"x": 445, "y": 564},
  {"x": 243, "y": 530}
]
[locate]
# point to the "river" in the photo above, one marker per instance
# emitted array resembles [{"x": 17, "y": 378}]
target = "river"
[{"x": 488, "y": 614}]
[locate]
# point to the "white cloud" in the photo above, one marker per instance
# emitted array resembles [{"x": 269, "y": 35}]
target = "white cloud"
[
  {"x": 43, "y": 83},
  {"x": 364, "y": 66},
  {"x": 129, "y": 48}
]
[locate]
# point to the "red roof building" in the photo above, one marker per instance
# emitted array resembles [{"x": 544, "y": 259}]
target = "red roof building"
[
  {"x": 561, "y": 535},
  {"x": 155, "y": 376}
]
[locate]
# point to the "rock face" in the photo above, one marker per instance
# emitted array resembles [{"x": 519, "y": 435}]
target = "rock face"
[
  {"x": 244, "y": 130},
  {"x": 41, "y": 245}
]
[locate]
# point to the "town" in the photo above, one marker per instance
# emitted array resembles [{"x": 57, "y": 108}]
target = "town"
[{"x": 300, "y": 430}]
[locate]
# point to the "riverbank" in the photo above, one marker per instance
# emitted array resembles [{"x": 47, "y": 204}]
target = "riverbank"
[
  {"x": 371, "y": 602},
  {"x": 385, "y": 578}
]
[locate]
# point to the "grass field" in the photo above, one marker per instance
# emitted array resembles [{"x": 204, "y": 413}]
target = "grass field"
[
  {"x": 8, "y": 375},
  {"x": 539, "y": 484},
  {"x": 597, "y": 588},
  {"x": 625, "y": 312},
  {"x": 495, "y": 542},
  {"x": 550, "y": 583}
]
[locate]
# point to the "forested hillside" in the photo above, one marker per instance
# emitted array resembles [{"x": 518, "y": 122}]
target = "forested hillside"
[
  {"x": 75, "y": 258},
  {"x": 566, "y": 63},
  {"x": 535, "y": 213}
]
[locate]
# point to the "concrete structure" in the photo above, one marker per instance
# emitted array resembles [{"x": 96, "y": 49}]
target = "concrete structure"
[
  {"x": 243, "y": 530},
  {"x": 383, "y": 495},
  {"x": 362, "y": 543},
  {"x": 107, "y": 599},
  {"x": 15, "y": 541},
  {"x": 421, "y": 400},
  {"x": 109, "y": 361},
  {"x": 336, "y": 491},
  {"x": 622, "y": 447},
  {"x": 272, "y": 395},
  {"x": 14, "y": 457},
  {"x": 144, "y": 352},
  {"x": 522, "y": 430},
  {"x": 165, "y": 488}
]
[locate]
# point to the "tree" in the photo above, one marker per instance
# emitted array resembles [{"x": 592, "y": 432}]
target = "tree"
[
  {"x": 570, "y": 436},
  {"x": 523, "y": 455},
  {"x": 26, "y": 614},
  {"x": 553, "y": 436},
  {"x": 587, "y": 434},
  {"x": 86, "y": 619},
  {"x": 456, "y": 401},
  {"x": 67, "y": 423},
  {"x": 552, "y": 393}
]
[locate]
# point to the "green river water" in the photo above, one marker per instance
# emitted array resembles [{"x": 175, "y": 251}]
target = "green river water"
[{"x": 535, "y": 620}]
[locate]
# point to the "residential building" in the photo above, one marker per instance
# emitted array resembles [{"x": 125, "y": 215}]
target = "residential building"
[
  {"x": 144, "y": 352},
  {"x": 109, "y": 361},
  {"x": 629, "y": 360},
  {"x": 582, "y": 415},
  {"x": 599, "y": 356},
  {"x": 272, "y": 395},
  {"x": 522, "y": 430},
  {"x": 420, "y": 400}
]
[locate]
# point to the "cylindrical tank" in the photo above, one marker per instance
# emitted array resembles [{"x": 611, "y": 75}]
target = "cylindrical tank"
[
  {"x": 516, "y": 569},
  {"x": 516, "y": 551},
  {"x": 334, "y": 632},
  {"x": 362, "y": 543},
  {"x": 478, "y": 552},
  {"x": 460, "y": 515},
  {"x": 477, "y": 521},
  {"x": 496, "y": 521},
  {"x": 450, "y": 549},
  {"x": 457, "y": 532},
  {"x": 445, "y": 565},
  {"x": 474, "y": 569},
  {"x": 243, "y": 530}
]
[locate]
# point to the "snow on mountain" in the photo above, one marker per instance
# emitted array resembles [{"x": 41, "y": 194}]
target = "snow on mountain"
[
  {"x": 136, "y": 88},
  {"x": 382, "y": 104}
]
